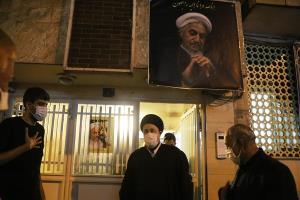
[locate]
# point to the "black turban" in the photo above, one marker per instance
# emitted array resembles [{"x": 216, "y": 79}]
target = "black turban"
[{"x": 153, "y": 119}]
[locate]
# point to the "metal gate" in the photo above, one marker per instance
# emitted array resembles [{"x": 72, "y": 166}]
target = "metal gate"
[{"x": 85, "y": 148}]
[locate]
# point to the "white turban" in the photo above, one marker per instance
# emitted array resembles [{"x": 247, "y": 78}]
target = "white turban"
[{"x": 192, "y": 17}]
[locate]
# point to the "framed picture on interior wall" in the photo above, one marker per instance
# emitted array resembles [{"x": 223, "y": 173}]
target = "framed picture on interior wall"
[
  {"x": 101, "y": 135},
  {"x": 196, "y": 44},
  {"x": 296, "y": 48}
]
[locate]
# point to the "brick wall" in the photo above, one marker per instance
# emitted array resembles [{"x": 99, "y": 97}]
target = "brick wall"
[{"x": 101, "y": 34}]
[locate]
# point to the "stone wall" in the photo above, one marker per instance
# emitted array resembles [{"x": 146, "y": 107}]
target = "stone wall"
[
  {"x": 38, "y": 28},
  {"x": 141, "y": 34}
]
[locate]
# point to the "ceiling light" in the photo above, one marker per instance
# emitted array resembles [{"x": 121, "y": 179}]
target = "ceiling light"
[{"x": 66, "y": 78}]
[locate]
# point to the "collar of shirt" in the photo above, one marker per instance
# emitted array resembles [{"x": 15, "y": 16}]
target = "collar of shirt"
[
  {"x": 260, "y": 153},
  {"x": 155, "y": 150}
]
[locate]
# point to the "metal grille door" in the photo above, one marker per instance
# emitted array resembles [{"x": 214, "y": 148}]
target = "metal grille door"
[{"x": 103, "y": 139}]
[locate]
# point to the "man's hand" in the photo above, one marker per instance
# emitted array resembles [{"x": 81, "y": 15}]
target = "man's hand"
[
  {"x": 223, "y": 191},
  {"x": 205, "y": 63},
  {"x": 32, "y": 142}
]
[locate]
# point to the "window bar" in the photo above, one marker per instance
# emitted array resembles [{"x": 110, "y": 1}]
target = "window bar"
[
  {"x": 126, "y": 150},
  {"x": 100, "y": 147},
  {"x": 95, "y": 147},
  {"x": 119, "y": 141},
  {"x": 62, "y": 133},
  {"x": 52, "y": 142},
  {"x": 79, "y": 130},
  {"x": 109, "y": 154},
  {"x": 87, "y": 156},
  {"x": 123, "y": 131},
  {"x": 122, "y": 142},
  {"x": 45, "y": 156},
  {"x": 98, "y": 150},
  {"x": 56, "y": 117},
  {"x": 56, "y": 141},
  {"x": 102, "y": 153},
  {"x": 51, "y": 138},
  {"x": 130, "y": 136},
  {"x": 115, "y": 144},
  {"x": 122, "y": 136},
  {"x": 55, "y": 128},
  {"x": 91, "y": 145}
]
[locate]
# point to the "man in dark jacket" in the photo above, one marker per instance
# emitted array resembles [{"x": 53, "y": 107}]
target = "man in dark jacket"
[
  {"x": 170, "y": 139},
  {"x": 156, "y": 171},
  {"x": 259, "y": 176},
  {"x": 21, "y": 149}
]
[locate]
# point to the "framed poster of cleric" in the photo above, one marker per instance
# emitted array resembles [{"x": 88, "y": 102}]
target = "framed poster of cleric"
[
  {"x": 100, "y": 135},
  {"x": 196, "y": 44}
]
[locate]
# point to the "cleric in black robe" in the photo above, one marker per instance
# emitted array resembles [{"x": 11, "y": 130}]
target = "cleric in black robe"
[{"x": 156, "y": 171}]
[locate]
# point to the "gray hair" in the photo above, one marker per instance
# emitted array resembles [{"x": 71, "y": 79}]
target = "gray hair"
[{"x": 241, "y": 134}]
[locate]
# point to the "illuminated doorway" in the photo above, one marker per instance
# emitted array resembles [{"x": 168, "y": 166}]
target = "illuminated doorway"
[{"x": 184, "y": 121}]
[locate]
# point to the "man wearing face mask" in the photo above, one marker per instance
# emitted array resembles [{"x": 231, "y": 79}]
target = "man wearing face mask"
[
  {"x": 156, "y": 171},
  {"x": 21, "y": 149},
  {"x": 259, "y": 177}
]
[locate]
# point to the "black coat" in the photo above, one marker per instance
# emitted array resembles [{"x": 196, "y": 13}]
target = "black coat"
[
  {"x": 163, "y": 177},
  {"x": 263, "y": 178},
  {"x": 20, "y": 178}
]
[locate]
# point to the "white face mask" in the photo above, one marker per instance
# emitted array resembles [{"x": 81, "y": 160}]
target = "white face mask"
[
  {"x": 151, "y": 140},
  {"x": 3, "y": 100},
  {"x": 40, "y": 113},
  {"x": 236, "y": 159}
]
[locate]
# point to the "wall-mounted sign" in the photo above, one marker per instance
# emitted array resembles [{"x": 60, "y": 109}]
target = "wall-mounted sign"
[{"x": 221, "y": 150}]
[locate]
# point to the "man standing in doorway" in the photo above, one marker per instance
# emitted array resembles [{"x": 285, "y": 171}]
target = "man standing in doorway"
[
  {"x": 21, "y": 149},
  {"x": 156, "y": 171},
  {"x": 170, "y": 139}
]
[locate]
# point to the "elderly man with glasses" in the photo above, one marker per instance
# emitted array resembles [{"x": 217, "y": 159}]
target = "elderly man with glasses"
[{"x": 259, "y": 176}]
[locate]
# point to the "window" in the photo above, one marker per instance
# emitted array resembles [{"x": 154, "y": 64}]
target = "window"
[
  {"x": 103, "y": 139},
  {"x": 273, "y": 100}
]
